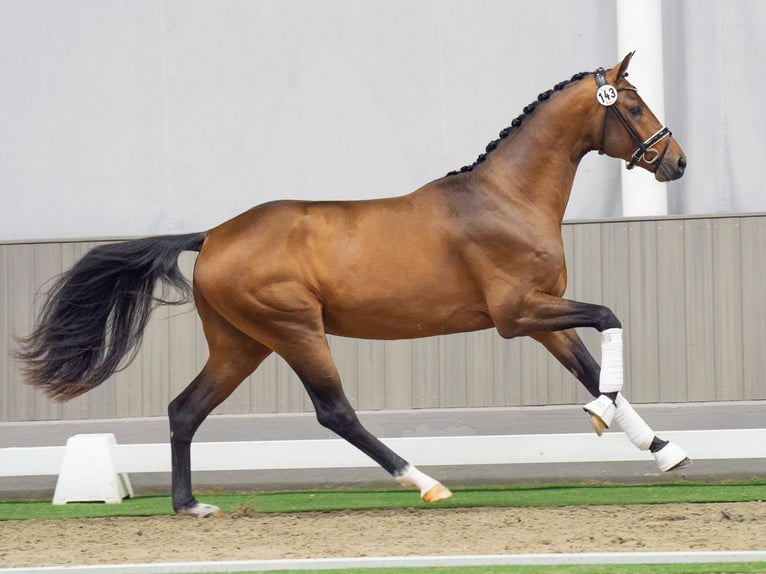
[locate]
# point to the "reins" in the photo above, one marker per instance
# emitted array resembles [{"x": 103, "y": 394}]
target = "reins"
[{"x": 607, "y": 97}]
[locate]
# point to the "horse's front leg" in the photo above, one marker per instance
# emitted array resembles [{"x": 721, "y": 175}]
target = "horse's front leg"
[
  {"x": 552, "y": 320},
  {"x": 569, "y": 349},
  {"x": 540, "y": 312}
]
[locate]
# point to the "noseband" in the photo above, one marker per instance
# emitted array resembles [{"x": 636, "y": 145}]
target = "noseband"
[{"x": 645, "y": 150}]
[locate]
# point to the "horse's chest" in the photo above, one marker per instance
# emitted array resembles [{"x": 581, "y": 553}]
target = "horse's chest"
[
  {"x": 539, "y": 265},
  {"x": 519, "y": 250}
]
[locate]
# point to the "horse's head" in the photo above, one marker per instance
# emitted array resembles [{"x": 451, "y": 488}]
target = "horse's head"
[{"x": 630, "y": 130}]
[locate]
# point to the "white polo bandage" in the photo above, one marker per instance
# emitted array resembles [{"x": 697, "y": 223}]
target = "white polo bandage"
[
  {"x": 632, "y": 424},
  {"x": 413, "y": 477},
  {"x": 603, "y": 408},
  {"x": 610, "y": 380}
]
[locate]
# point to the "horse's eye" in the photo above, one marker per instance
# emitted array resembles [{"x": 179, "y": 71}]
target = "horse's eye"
[{"x": 635, "y": 111}]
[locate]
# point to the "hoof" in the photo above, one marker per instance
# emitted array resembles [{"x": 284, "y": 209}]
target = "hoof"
[
  {"x": 671, "y": 457},
  {"x": 201, "y": 510},
  {"x": 683, "y": 464},
  {"x": 598, "y": 424},
  {"x": 436, "y": 492}
]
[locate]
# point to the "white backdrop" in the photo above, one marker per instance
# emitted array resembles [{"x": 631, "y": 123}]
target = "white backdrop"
[{"x": 144, "y": 117}]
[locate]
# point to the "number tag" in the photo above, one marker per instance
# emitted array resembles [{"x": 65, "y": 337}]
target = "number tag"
[{"x": 606, "y": 95}]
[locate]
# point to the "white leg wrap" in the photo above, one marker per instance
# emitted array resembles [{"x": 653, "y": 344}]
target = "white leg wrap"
[
  {"x": 632, "y": 424},
  {"x": 640, "y": 434},
  {"x": 413, "y": 477},
  {"x": 610, "y": 380}
]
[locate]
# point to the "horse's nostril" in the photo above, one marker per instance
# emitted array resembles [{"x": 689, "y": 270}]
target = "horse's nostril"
[{"x": 682, "y": 163}]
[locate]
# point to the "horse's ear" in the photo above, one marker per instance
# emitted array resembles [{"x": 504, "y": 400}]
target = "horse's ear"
[{"x": 623, "y": 69}]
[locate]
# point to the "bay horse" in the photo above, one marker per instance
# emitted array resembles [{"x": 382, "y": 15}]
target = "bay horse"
[{"x": 478, "y": 248}]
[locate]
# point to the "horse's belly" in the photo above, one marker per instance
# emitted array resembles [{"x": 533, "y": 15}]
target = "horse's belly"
[{"x": 400, "y": 324}]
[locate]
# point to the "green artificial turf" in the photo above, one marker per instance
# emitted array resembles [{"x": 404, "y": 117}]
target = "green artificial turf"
[{"x": 549, "y": 494}]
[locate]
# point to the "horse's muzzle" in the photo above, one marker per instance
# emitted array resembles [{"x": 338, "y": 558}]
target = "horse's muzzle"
[{"x": 672, "y": 167}]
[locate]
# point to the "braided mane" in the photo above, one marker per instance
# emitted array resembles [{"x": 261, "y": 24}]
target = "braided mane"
[{"x": 528, "y": 109}]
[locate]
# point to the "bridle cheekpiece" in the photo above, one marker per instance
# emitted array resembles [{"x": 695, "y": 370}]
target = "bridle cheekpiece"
[{"x": 607, "y": 97}]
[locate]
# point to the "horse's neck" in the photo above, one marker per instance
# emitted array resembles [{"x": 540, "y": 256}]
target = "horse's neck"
[{"x": 537, "y": 164}]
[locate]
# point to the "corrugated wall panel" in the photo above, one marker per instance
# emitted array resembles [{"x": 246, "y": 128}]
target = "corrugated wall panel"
[
  {"x": 698, "y": 285},
  {"x": 753, "y": 307},
  {"x": 425, "y": 373},
  {"x": 21, "y": 269},
  {"x": 6, "y": 366},
  {"x": 452, "y": 370},
  {"x": 371, "y": 385},
  {"x": 671, "y": 312},
  {"x": 727, "y": 309},
  {"x": 641, "y": 330},
  {"x": 689, "y": 293},
  {"x": 507, "y": 358},
  {"x": 398, "y": 375}
]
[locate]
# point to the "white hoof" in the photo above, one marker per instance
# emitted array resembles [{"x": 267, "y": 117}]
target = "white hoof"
[
  {"x": 202, "y": 510},
  {"x": 671, "y": 457},
  {"x": 601, "y": 411}
]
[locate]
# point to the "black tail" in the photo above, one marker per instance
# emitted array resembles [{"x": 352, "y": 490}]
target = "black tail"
[{"x": 94, "y": 315}]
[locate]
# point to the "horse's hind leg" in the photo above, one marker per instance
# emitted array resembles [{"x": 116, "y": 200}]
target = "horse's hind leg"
[
  {"x": 309, "y": 356},
  {"x": 569, "y": 349},
  {"x": 233, "y": 356}
]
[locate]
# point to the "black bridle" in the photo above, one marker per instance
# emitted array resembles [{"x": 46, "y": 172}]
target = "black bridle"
[{"x": 645, "y": 150}]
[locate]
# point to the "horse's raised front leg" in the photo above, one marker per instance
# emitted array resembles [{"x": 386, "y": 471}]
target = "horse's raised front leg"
[
  {"x": 569, "y": 349},
  {"x": 541, "y": 312},
  {"x": 309, "y": 356}
]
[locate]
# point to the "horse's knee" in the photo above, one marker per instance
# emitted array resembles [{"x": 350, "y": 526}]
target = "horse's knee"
[{"x": 606, "y": 319}]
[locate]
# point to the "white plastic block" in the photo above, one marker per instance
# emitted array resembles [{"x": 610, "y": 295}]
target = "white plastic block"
[{"x": 88, "y": 472}]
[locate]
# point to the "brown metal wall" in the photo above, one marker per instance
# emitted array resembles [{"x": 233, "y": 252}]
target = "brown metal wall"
[{"x": 689, "y": 292}]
